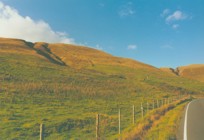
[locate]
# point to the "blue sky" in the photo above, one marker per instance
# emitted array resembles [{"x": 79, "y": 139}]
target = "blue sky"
[{"x": 161, "y": 33}]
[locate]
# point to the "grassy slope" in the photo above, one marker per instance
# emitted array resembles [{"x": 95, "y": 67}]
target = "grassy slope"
[
  {"x": 159, "y": 124},
  {"x": 166, "y": 128},
  {"x": 169, "y": 70},
  {"x": 195, "y": 72},
  {"x": 65, "y": 87}
]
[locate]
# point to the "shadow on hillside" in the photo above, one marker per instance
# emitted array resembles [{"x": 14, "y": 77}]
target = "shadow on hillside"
[{"x": 43, "y": 50}]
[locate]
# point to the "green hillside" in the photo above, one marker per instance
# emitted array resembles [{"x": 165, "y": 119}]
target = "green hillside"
[
  {"x": 64, "y": 87},
  {"x": 194, "y": 72}
]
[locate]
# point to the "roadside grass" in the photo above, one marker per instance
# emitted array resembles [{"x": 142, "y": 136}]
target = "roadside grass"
[
  {"x": 159, "y": 124},
  {"x": 166, "y": 128}
]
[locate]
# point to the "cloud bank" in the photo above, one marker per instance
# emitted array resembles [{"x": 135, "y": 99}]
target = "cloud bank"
[{"x": 13, "y": 25}]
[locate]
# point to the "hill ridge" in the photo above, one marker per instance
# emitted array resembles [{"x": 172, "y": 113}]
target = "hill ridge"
[
  {"x": 192, "y": 71},
  {"x": 68, "y": 54}
]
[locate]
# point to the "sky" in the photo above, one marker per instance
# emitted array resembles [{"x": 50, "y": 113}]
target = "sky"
[{"x": 162, "y": 33}]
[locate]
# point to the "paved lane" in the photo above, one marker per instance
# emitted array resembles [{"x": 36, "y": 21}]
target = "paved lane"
[{"x": 194, "y": 121}]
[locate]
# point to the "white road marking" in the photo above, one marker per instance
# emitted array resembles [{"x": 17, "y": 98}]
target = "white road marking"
[{"x": 185, "y": 122}]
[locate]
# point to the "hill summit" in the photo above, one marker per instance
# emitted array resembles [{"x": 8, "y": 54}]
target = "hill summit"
[
  {"x": 66, "y": 54},
  {"x": 194, "y": 71}
]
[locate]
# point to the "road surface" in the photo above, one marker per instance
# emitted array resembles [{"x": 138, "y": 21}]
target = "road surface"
[{"x": 193, "y": 121}]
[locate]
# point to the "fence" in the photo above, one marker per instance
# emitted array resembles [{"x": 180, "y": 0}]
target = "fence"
[{"x": 145, "y": 108}]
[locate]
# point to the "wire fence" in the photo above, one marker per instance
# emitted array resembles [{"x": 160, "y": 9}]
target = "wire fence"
[{"x": 112, "y": 127}]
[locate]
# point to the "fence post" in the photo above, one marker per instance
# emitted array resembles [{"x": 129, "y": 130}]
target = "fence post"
[
  {"x": 157, "y": 103},
  {"x": 119, "y": 120},
  {"x": 133, "y": 114},
  {"x": 147, "y": 107},
  {"x": 153, "y": 104},
  {"x": 142, "y": 111},
  {"x": 97, "y": 126},
  {"x": 41, "y": 131}
]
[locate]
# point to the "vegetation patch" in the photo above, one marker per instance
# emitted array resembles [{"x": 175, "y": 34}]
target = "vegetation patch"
[{"x": 160, "y": 124}]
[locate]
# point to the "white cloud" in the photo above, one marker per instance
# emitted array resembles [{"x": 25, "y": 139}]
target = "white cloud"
[
  {"x": 13, "y": 25},
  {"x": 132, "y": 47},
  {"x": 173, "y": 19},
  {"x": 176, "y": 16},
  {"x": 175, "y": 26},
  {"x": 165, "y": 12},
  {"x": 126, "y": 10}
]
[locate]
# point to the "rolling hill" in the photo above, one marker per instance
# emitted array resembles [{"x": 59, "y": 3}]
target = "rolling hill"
[
  {"x": 64, "y": 86},
  {"x": 70, "y": 55},
  {"x": 195, "y": 71}
]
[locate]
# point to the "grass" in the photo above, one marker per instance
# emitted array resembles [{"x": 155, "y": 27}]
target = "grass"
[
  {"x": 66, "y": 98},
  {"x": 166, "y": 128},
  {"x": 195, "y": 71},
  {"x": 158, "y": 124}
]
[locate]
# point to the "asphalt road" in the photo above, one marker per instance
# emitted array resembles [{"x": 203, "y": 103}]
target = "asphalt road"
[{"x": 193, "y": 121}]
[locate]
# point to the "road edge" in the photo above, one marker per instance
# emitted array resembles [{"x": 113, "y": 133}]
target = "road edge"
[{"x": 185, "y": 121}]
